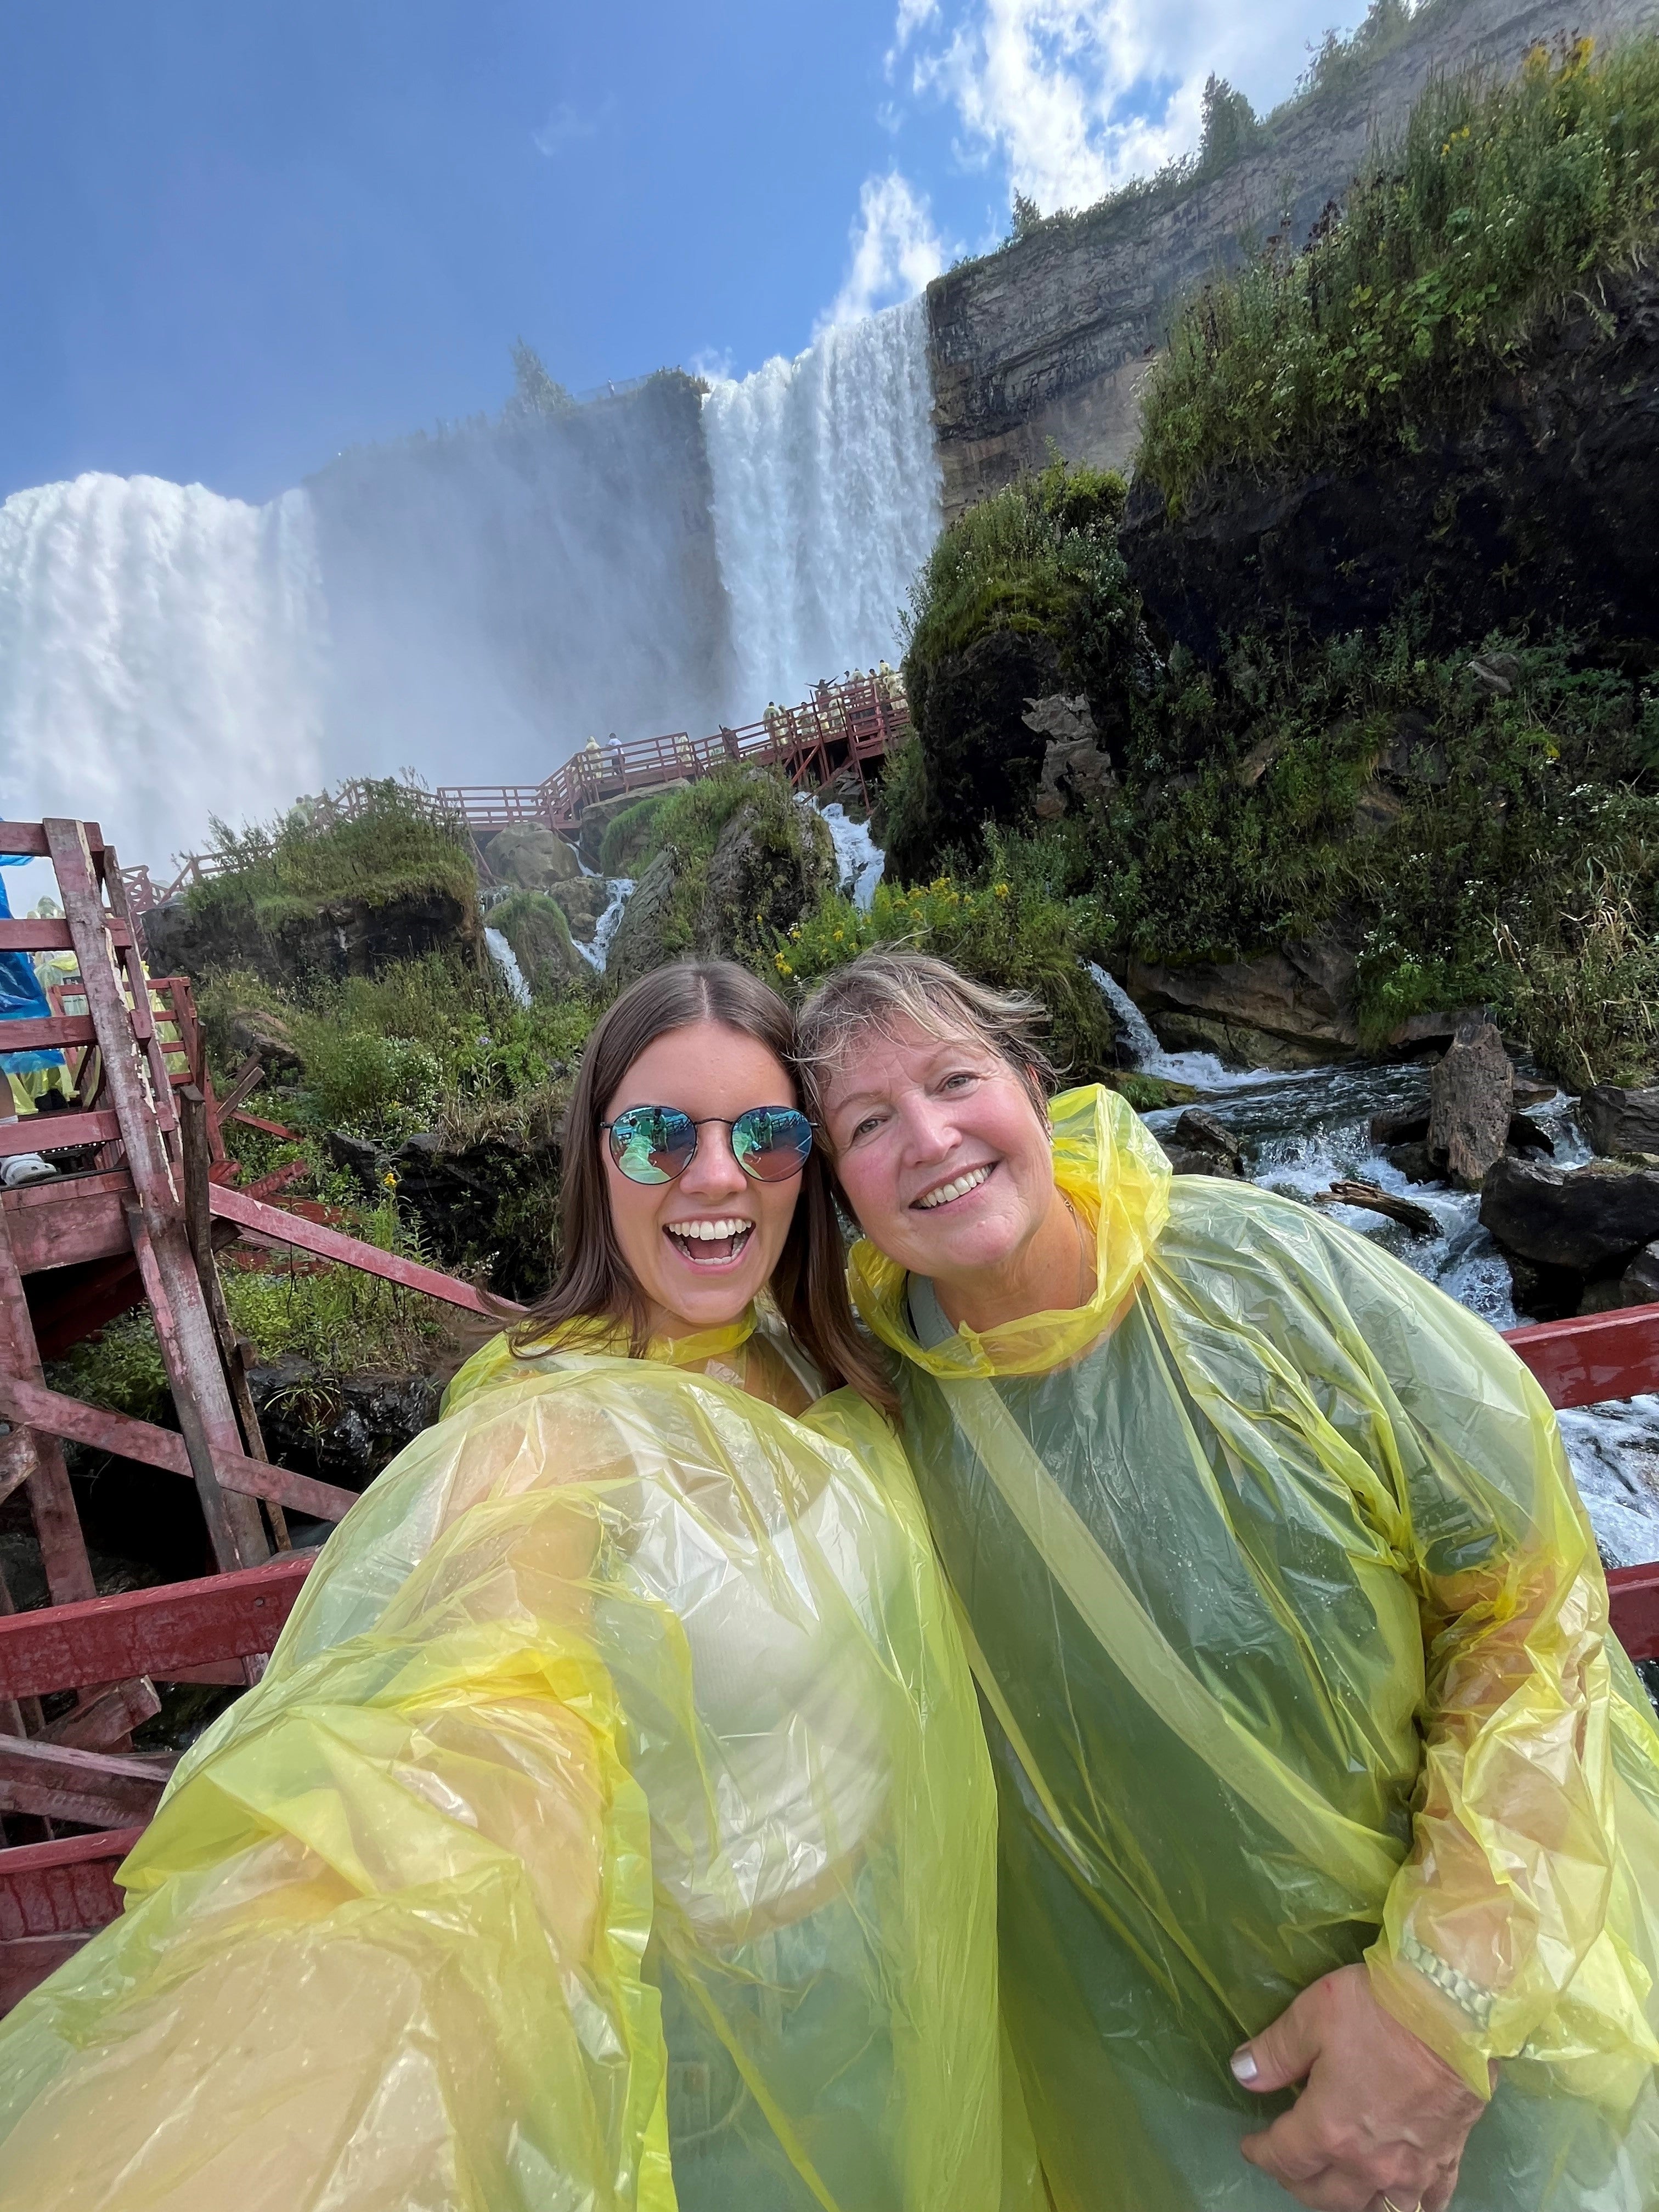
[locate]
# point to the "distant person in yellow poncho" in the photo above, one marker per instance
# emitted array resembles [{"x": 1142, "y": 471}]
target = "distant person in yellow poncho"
[
  {"x": 1318, "y": 1763},
  {"x": 613, "y": 1827}
]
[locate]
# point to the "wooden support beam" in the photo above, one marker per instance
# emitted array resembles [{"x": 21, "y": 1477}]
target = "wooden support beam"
[
  {"x": 50, "y": 1414},
  {"x": 30, "y": 838},
  {"x": 166, "y": 1633},
  {"x": 196, "y": 1133},
  {"x": 51, "y": 936},
  {"x": 105, "y": 1722},
  {"x": 280, "y": 1228},
  {"x": 92, "y": 1787},
  {"x": 1601, "y": 1355},
  {"x": 43, "y": 1032},
  {"x": 56, "y": 1133},
  {"x": 52, "y": 1502}
]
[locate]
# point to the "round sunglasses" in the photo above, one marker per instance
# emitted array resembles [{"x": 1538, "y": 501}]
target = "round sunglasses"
[{"x": 656, "y": 1144}]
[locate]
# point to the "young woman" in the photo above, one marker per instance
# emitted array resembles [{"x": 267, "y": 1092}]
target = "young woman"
[
  {"x": 613, "y": 1826},
  {"x": 1318, "y": 1763}
]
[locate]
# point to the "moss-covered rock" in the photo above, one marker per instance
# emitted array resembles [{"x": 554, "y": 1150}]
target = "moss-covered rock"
[
  {"x": 532, "y": 856},
  {"x": 536, "y": 927}
]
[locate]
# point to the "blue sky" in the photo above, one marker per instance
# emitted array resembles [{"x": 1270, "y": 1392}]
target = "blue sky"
[{"x": 240, "y": 234}]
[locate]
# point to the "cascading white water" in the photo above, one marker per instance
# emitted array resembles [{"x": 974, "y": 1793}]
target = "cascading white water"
[
  {"x": 160, "y": 657},
  {"x": 860, "y": 860},
  {"x": 506, "y": 966},
  {"x": 827, "y": 500}
]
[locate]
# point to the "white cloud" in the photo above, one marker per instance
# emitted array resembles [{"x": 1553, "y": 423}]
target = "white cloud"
[
  {"x": 1074, "y": 97},
  {"x": 895, "y": 250},
  {"x": 568, "y": 126}
]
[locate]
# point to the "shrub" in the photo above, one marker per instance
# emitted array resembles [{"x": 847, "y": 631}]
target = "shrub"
[
  {"x": 394, "y": 843},
  {"x": 626, "y": 836},
  {"x": 1501, "y": 200}
]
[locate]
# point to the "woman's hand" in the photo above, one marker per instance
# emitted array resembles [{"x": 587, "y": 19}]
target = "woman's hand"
[{"x": 1381, "y": 2117}]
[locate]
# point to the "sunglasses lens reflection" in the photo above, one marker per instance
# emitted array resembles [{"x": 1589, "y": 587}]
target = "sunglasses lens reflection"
[
  {"x": 772, "y": 1143},
  {"x": 652, "y": 1144}
]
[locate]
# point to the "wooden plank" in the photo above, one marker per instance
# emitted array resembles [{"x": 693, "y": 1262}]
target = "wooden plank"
[
  {"x": 56, "y": 1133},
  {"x": 64, "y": 1223},
  {"x": 1601, "y": 1355},
  {"x": 199, "y": 1397},
  {"x": 31, "y": 936},
  {"x": 26, "y": 1961},
  {"x": 130, "y": 966},
  {"x": 30, "y": 837},
  {"x": 43, "y": 1031},
  {"x": 52, "y": 1413},
  {"x": 196, "y": 1131},
  {"x": 270, "y": 1221},
  {"x": 52, "y": 1502},
  {"x": 93, "y": 1788},
  {"x": 105, "y": 1722},
  {"x": 165, "y": 1633},
  {"x": 1633, "y": 1602}
]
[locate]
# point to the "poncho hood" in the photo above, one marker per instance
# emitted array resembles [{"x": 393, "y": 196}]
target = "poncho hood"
[{"x": 1111, "y": 1167}]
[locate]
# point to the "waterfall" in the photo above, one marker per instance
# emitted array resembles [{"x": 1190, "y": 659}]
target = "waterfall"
[
  {"x": 506, "y": 965},
  {"x": 860, "y": 860},
  {"x": 827, "y": 500},
  {"x": 160, "y": 657},
  {"x": 622, "y": 890}
]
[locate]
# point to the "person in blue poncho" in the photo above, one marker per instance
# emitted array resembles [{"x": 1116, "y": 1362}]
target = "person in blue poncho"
[{"x": 21, "y": 999}]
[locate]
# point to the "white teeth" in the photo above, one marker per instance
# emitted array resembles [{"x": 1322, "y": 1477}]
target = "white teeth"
[
  {"x": 708, "y": 1232},
  {"x": 971, "y": 1180}
]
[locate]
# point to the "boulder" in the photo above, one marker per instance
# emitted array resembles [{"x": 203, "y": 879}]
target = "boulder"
[
  {"x": 1640, "y": 1284},
  {"x": 1616, "y": 1120},
  {"x": 1290, "y": 1009},
  {"x": 1469, "y": 1103},
  {"x": 766, "y": 870},
  {"x": 1074, "y": 769},
  {"x": 599, "y": 814},
  {"x": 583, "y": 900},
  {"x": 343, "y": 1429},
  {"x": 532, "y": 856},
  {"x": 253, "y": 1029},
  {"x": 1587, "y": 1221},
  {"x": 1200, "y": 1131},
  {"x": 535, "y": 926},
  {"x": 639, "y": 944},
  {"x": 1399, "y": 1125},
  {"x": 346, "y": 937}
]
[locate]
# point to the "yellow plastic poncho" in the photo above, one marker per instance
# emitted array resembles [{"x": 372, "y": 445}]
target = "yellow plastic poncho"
[
  {"x": 1293, "y": 1641},
  {"x": 612, "y": 1828}
]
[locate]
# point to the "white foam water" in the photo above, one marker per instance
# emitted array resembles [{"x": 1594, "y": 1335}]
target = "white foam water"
[
  {"x": 622, "y": 890},
  {"x": 859, "y": 858},
  {"x": 161, "y": 652},
  {"x": 827, "y": 500},
  {"x": 506, "y": 962}
]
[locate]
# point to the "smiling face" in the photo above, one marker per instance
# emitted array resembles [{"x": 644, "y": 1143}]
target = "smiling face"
[
  {"x": 944, "y": 1158},
  {"x": 700, "y": 1248}
]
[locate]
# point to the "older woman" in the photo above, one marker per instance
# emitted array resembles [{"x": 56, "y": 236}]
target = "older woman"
[{"x": 1318, "y": 1763}]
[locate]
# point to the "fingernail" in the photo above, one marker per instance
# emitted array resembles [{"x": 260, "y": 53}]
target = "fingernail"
[{"x": 1243, "y": 2064}]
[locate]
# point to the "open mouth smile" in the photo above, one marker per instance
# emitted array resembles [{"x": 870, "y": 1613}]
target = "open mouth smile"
[
  {"x": 709, "y": 1244},
  {"x": 947, "y": 1193}
]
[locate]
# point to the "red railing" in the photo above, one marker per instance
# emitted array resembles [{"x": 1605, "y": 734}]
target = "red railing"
[{"x": 840, "y": 726}]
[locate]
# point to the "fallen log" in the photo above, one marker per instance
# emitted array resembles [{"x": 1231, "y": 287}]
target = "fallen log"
[{"x": 1375, "y": 1200}]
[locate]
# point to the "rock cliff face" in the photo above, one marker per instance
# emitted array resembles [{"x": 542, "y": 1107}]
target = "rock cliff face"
[
  {"x": 1537, "y": 506},
  {"x": 1049, "y": 337}
]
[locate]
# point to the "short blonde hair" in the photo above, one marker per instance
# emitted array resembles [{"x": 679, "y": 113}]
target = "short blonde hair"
[{"x": 883, "y": 987}]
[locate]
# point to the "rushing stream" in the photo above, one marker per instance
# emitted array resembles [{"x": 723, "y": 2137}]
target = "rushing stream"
[{"x": 1303, "y": 1132}]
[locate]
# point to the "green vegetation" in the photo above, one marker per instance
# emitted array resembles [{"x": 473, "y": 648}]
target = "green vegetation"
[
  {"x": 1007, "y": 926},
  {"x": 538, "y": 930},
  {"x": 627, "y": 835},
  {"x": 742, "y": 914},
  {"x": 1024, "y": 595},
  {"x": 1501, "y": 202},
  {"x": 375, "y": 841}
]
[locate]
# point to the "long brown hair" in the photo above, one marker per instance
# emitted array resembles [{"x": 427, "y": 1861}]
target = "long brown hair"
[{"x": 594, "y": 1283}]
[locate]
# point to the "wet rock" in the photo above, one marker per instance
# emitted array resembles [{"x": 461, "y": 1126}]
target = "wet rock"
[
  {"x": 1400, "y": 1125},
  {"x": 1640, "y": 1284},
  {"x": 1533, "y": 507},
  {"x": 1075, "y": 771},
  {"x": 1543, "y": 1293},
  {"x": 583, "y": 900},
  {"x": 1587, "y": 1221},
  {"x": 1532, "y": 1090},
  {"x": 346, "y": 937},
  {"x": 343, "y": 1429},
  {"x": 1290, "y": 1009},
  {"x": 1420, "y": 1035},
  {"x": 535, "y": 926},
  {"x": 1416, "y": 1163},
  {"x": 1200, "y": 1131},
  {"x": 531, "y": 856},
  {"x": 763, "y": 875},
  {"x": 1525, "y": 1136},
  {"x": 1470, "y": 1092},
  {"x": 640, "y": 943},
  {"x": 1187, "y": 1160},
  {"x": 599, "y": 814},
  {"x": 1616, "y": 1119}
]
